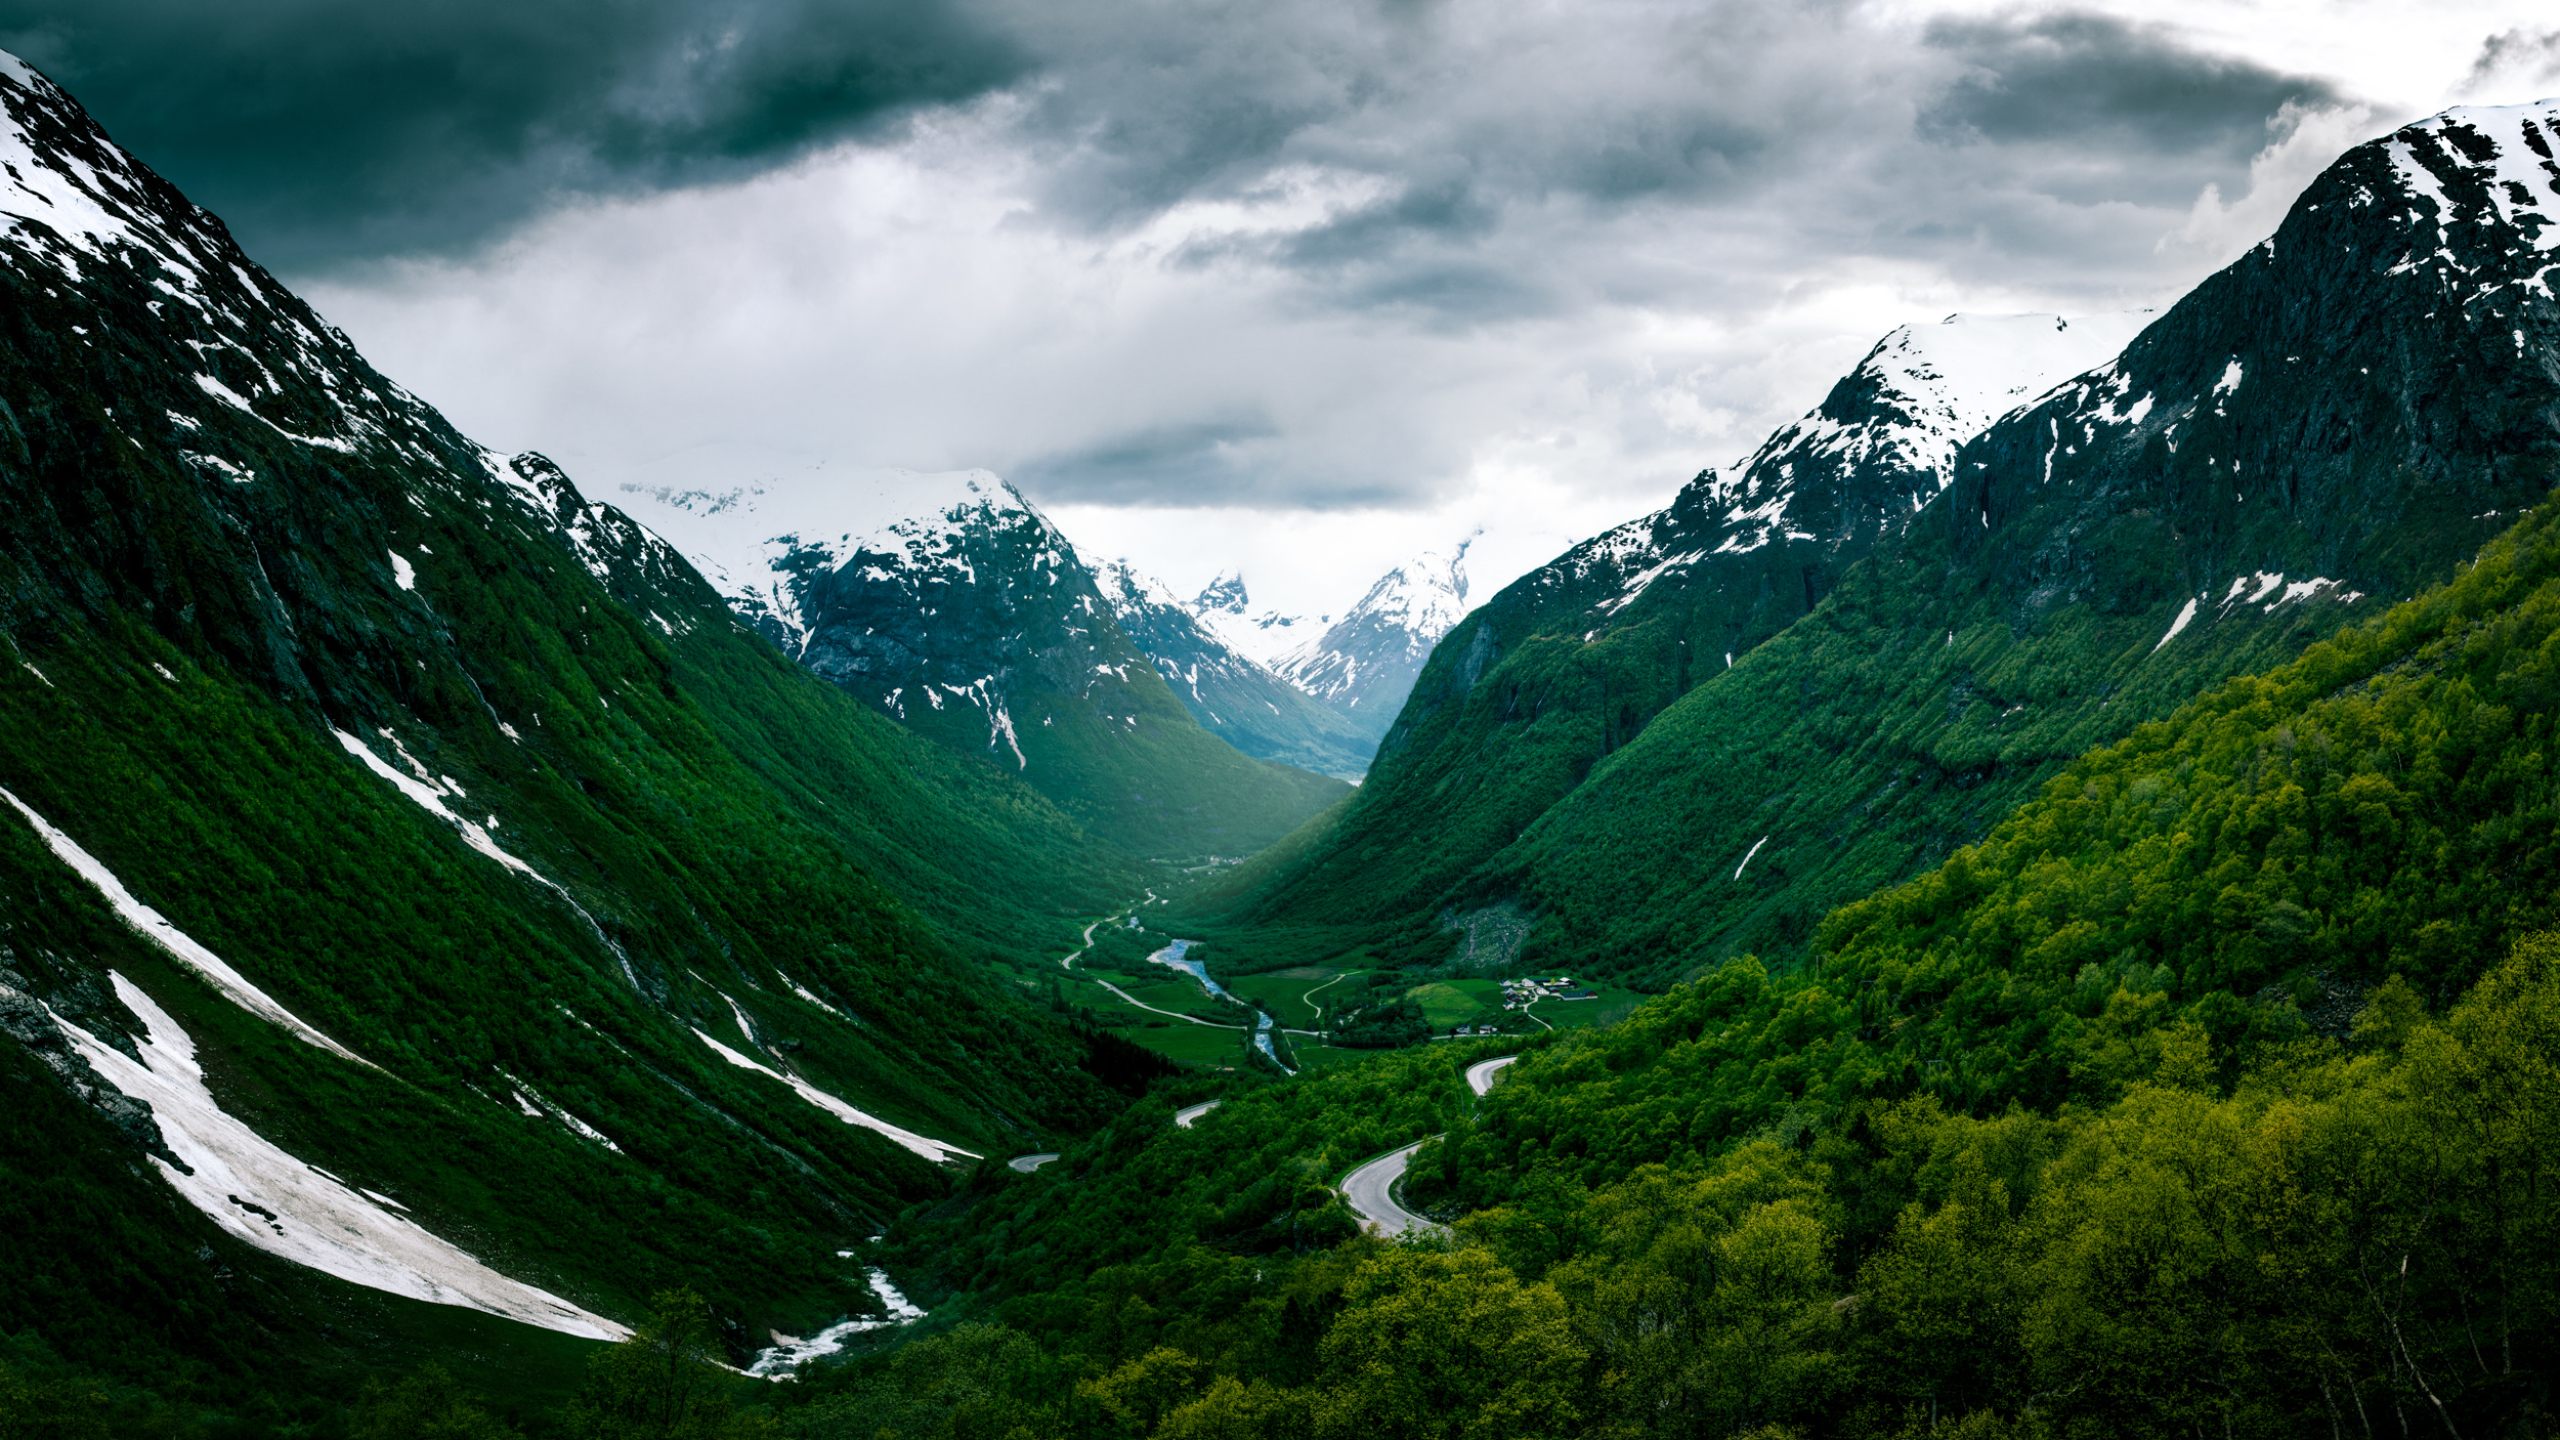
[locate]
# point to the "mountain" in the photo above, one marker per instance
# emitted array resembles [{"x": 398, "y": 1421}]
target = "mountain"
[
  {"x": 1572, "y": 660},
  {"x": 2107, "y": 1125},
  {"x": 1265, "y": 636},
  {"x": 951, "y": 604},
  {"x": 2207, "y": 1087},
  {"x": 1236, "y": 698},
  {"x": 2338, "y": 419},
  {"x": 1365, "y": 663},
  {"x": 431, "y": 921}
]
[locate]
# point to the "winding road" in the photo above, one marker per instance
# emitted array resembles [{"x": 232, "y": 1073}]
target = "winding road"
[
  {"x": 1370, "y": 1189},
  {"x": 1482, "y": 1074},
  {"x": 1176, "y": 1014}
]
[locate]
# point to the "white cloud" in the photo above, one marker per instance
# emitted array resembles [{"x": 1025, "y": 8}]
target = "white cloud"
[
  {"x": 2305, "y": 141},
  {"x": 1301, "y": 290}
]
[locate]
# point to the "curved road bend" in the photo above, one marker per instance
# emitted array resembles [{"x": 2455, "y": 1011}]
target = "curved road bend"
[
  {"x": 1371, "y": 1193},
  {"x": 1182, "y": 1117},
  {"x": 1371, "y": 1189}
]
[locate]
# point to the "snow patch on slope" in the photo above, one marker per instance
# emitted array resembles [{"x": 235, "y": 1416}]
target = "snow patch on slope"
[
  {"x": 937, "y": 1151},
  {"x": 180, "y": 946},
  {"x": 429, "y": 792},
  {"x": 259, "y": 1193}
]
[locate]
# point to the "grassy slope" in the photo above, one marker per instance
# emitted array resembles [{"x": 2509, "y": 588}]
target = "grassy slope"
[
  {"x": 2101, "y": 1121},
  {"x": 730, "y": 826},
  {"x": 1161, "y": 787}
]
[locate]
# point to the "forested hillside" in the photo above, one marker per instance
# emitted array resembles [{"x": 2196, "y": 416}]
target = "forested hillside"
[
  {"x": 2332, "y": 423},
  {"x": 2211, "y": 1091},
  {"x": 489, "y": 919}
]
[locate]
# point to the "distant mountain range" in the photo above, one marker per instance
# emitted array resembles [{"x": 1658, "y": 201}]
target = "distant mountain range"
[
  {"x": 939, "y": 597},
  {"x": 1239, "y": 699},
  {"x": 2068, "y": 798},
  {"x": 953, "y": 606}
]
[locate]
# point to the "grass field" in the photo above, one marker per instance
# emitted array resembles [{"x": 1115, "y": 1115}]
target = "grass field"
[
  {"x": 1300, "y": 996},
  {"x": 1309, "y": 1055},
  {"x": 1614, "y": 1004},
  {"x": 1187, "y": 1044},
  {"x": 1458, "y": 1002}
]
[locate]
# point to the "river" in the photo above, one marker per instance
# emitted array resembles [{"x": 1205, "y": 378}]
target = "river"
[{"x": 1177, "y": 956}]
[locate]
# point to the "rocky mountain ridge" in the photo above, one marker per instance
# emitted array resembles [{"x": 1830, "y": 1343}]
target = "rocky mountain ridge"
[{"x": 954, "y": 606}]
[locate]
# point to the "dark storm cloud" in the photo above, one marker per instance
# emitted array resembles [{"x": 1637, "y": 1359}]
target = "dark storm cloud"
[
  {"x": 325, "y": 131},
  {"x": 1322, "y": 254},
  {"x": 1172, "y": 464},
  {"x": 1467, "y": 107},
  {"x": 2079, "y": 78},
  {"x": 2518, "y": 57}
]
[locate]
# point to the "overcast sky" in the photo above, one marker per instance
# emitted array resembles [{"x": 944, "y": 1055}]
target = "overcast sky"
[{"x": 1294, "y": 288}]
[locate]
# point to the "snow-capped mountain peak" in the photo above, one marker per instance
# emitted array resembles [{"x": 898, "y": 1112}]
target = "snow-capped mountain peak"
[
  {"x": 2475, "y": 179},
  {"x": 1226, "y": 594},
  {"x": 1123, "y": 583},
  {"x": 1923, "y": 390},
  {"x": 765, "y": 544},
  {"x": 1880, "y": 446},
  {"x": 1365, "y": 663},
  {"x": 1225, "y": 606}
]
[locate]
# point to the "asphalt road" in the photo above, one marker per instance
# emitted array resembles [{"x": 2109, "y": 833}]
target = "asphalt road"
[
  {"x": 1371, "y": 1189},
  {"x": 1371, "y": 1192},
  {"x": 1028, "y": 1163},
  {"x": 1482, "y": 1074},
  {"x": 1184, "y": 1117}
]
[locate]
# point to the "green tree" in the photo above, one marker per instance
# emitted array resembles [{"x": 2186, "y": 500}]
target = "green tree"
[
  {"x": 426, "y": 1405},
  {"x": 1239, "y": 1410},
  {"x": 663, "y": 1383},
  {"x": 1448, "y": 1345}
]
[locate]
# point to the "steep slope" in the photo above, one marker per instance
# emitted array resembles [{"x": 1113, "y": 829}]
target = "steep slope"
[
  {"x": 1569, "y": 662},
  {"x": 1365, "y": 663},
  {"x": 952, "y": 605},
  {"x": 2336, "y": 420},
  {"x": 386, "y": 811},
  {"x": 2108, "y": 1125},
  {"x": 1235, "y": 697}
]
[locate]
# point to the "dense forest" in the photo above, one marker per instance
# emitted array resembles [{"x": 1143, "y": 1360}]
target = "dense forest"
[
  {"x": 2098, "y": 961},
  {"x": 2214, "y": 1092},
  {"x": 2350, "y": 1234}
]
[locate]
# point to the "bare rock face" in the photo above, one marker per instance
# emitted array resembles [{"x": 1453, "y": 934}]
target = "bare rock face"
[{"x": 31, "y": 1023}]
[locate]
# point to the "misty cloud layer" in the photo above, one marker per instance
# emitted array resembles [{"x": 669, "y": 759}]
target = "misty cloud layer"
[{"x": 1201, "y": 272}]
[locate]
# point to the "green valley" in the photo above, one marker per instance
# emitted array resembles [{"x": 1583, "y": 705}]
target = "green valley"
[{"x": 2020, "y": 911}]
